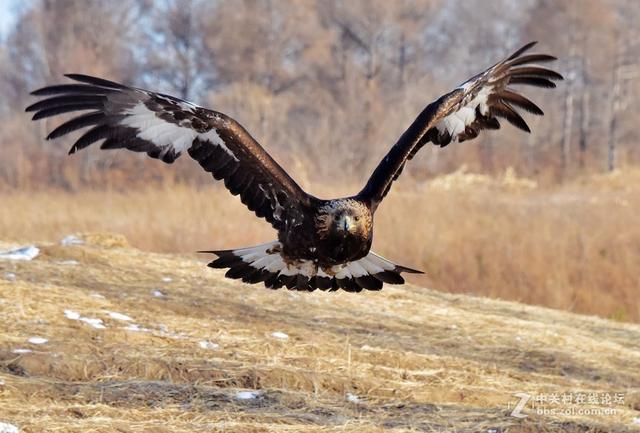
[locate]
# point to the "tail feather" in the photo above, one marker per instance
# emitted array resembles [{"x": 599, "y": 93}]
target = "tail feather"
[{"x": 265, "y": 263}]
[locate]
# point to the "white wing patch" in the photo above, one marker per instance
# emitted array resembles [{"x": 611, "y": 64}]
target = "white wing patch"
[
  {"x": 214, "y": 138},
  {"x": 456, "y": 122},
  {"x": 168, "y": 135}
]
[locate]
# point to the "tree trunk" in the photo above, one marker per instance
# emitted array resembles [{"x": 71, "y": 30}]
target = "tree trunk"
[
  {"x": 402, "y": 61},
  {"x": 566, "y": 131},
  {"x": 568, "y": 113},
  {"x": 584, "y": 125},
  {"x": 612, "y": 148}
]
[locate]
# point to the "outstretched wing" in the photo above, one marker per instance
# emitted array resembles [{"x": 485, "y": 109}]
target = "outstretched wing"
[
  {"x": 164, "y": 127},
  {"x": 461, "y": 114}
]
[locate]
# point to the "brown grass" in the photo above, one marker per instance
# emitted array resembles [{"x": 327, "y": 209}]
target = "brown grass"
[
  {"x": 575, "y": 247},
  {"x": 418, "y": 360}
]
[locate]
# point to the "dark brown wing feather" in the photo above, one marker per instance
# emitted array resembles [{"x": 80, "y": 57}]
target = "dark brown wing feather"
[
  {"x": 164, "y": 127},
  {"x": 461, "y": 114}
]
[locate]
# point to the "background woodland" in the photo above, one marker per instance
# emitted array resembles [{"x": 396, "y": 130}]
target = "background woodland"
[{"x": 327, "y": 87}]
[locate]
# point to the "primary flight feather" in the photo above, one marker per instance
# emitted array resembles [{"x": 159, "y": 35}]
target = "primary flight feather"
[{"x": 322, "y": 244}]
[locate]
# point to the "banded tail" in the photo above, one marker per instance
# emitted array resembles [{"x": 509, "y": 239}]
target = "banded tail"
[{"x": 264, "y": 263}]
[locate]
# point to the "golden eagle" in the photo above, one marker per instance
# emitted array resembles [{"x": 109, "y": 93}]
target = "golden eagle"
[{"x": 322, "y": 244}]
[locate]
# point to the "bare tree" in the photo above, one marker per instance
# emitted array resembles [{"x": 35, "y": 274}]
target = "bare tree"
[
  {"x": 317, "y": 77},
  {"x": 568, "y": 111},
  {"x": 615, "y": 95}
]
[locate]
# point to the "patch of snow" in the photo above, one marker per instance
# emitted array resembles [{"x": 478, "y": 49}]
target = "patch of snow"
[
  {"x": 96, "y": 323},
  {"x": 368, "y": 348},
  {"x": 70, "y": 314},
  {"x": 174, "y": 335},
  {"x": 97, "y": 296},
  {"x": 352, "y": 398},
  {"x": 164, "y": 331},
  {"x": 208, "y": 345},
  {"x": 8, "y": 428},
  {"x": 25, "y": 253},
  {"x": 158, "y": 294},
  {"x": 280, "y": 335},
  {"x": 68, "y": 262},
  {"x": 167, "y": 279},
  {"x": 74, "y": 315},
  {"x": 119, "y": 316},
  {"x": 1, "y": 381},
  {"x": 9, "y": 276},
  {"x": 248, "y": 395},
  {"x": 71, "y": 240},
  {"x": 37, "y": 340},
  {"x": 135, "y": 328},
  {"x": 636, "y": 421},
  {"x": 19, "y": 351}
]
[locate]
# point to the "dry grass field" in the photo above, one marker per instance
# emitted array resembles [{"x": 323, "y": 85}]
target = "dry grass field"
[
  {"x": 132, "y": 341},
  {"x": 526, "y": 318},
  {"x": 574, "y": 247}
]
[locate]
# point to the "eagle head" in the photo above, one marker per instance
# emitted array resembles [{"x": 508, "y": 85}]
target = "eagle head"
[{"x": 342, "y": 218}]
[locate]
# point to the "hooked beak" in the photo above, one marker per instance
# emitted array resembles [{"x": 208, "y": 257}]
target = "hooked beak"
[{"x": 347, "y": 223}]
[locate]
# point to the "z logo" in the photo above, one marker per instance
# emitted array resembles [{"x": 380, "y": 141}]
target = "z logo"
[{"x": 517, "y": 411}]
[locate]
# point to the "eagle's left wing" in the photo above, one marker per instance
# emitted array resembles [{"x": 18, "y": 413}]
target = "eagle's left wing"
[
  {"x": 461, "y": 114},
  {"x": 164, "y": 127}
]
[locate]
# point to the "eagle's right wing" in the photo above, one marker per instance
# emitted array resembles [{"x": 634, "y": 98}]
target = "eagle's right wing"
[
  {"x": 163, "y": 126},
  {"x": 462, "y": 113}
]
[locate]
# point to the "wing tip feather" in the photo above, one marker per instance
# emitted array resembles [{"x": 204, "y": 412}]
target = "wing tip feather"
[
  {"x": 408, "y": 270},
  {"x": 526, "y": 47},
  {"x": 100, "y": 82}
]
